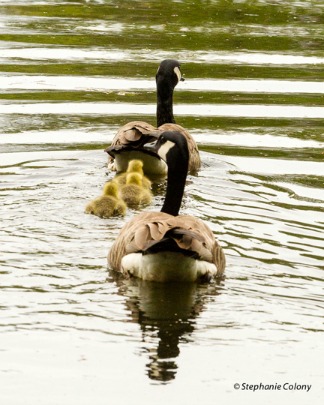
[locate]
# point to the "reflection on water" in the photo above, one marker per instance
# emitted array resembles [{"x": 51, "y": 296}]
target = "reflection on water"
[
  {"x": 166, "y": 315},
  {"x": 72, "y": 72}
]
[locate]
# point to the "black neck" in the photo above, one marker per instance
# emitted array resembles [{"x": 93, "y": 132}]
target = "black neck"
[
  {"x": 164, "y": 112},
  {"x": 177, "y": 174}
]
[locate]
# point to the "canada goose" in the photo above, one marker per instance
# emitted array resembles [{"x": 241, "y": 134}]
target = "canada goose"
[
  {"x": 164, "y": 246},
  {"x": 133, "y": 193},
  {"x": 134, "y": 166},
  {"x": 108, "y": 204},
  {"x": 129, "y": 142}
]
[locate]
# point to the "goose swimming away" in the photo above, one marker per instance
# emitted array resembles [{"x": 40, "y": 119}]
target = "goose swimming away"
[
  {"x": 129, "y": 142},
  {"x": 165, "y": 246}
]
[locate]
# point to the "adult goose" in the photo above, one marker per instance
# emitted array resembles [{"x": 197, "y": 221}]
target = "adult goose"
[
  {"x": 165, "y": 246},
  {"x": 129, "y": 142}
]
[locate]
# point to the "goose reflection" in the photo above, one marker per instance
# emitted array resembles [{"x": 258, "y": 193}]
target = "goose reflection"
[{"x": 166, "y": 313}]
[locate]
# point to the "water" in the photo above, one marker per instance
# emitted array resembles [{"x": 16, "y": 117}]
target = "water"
[{"x": 72, "y": 72}]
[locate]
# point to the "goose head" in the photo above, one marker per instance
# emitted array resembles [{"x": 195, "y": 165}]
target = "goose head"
[
  {"x": 168, "y": 74},
  {"x": 172, "y": 147},
  {"x": 167, "y": 77}
]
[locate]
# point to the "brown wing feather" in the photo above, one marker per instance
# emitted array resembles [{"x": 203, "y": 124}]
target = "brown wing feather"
[
  {"x": 199, "y": 237},
  {"x": 134, "y": 134},
  {"x": 137, "y": 133},
  {"x": 135, "y": 235},
  {"x": 148, "y": 228}
]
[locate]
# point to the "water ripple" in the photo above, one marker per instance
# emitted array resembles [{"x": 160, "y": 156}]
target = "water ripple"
[{"x": 203, "y": 110}]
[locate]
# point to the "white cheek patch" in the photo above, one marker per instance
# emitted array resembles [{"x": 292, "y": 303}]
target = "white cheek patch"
[
  {"x": 178, "y": 73},
  {"x": 164, "y": 149}
]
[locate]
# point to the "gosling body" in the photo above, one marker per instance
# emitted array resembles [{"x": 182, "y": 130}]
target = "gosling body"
[
  {"x": 108, "y": 204},
  {"x": 133, "y": 192}
]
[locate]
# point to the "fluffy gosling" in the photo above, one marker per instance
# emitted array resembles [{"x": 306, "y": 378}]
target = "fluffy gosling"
[
  {"x": 134, "y": 166},
  {"x": 108, "y": 204},
  {"x": 134, "y": 193}
]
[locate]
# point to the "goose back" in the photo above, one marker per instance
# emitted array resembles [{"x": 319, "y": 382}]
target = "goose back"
[{"x": 146, "y": 231}]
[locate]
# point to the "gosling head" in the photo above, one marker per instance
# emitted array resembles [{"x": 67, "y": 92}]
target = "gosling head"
[
  {"x": 135, "y": 166},
  {"x": 134, "y": 179},
  {"x": 111, "y": 188}
]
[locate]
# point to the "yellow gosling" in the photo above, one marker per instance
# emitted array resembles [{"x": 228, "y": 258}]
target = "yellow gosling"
[
  {"x": 134, "y": 193},
  {"x": 134, "y": 166},
  {"x": 108, "y": 204}
]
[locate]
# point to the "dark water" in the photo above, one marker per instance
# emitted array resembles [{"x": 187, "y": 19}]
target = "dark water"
[{"x": 72, "y": 72}]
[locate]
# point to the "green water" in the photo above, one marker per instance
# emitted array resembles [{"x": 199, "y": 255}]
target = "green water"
[{"x": 72, "y": 72}]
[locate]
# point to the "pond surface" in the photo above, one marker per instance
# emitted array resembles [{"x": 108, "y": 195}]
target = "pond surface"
[{"x": 72, "y": 72}]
